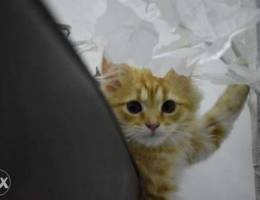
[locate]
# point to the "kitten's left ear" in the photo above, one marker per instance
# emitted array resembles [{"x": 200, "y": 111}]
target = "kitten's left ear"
[{"x": 170, "y": 75}]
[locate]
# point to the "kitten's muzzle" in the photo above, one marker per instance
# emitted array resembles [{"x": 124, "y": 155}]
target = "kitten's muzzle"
[{"x": 152, "y": 126}]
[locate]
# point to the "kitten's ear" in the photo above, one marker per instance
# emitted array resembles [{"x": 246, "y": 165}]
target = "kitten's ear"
[
  {"x": 114, "y": 75},
  {"x": 109, "y": 82},
  {"x": 170, "y": 75},
  {"x": 106, "y": 66}
]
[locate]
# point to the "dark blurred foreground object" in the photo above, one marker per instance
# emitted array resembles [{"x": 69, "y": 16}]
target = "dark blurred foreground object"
[
  {"x": 66, "y": 29},
  {"x": 58, "y": 139}
]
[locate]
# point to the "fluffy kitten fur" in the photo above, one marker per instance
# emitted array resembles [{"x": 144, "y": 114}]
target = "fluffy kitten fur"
[{"x": 182, "y": 138}]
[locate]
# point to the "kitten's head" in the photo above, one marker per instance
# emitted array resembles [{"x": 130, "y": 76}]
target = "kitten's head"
[{"x": 150, "y": 110}]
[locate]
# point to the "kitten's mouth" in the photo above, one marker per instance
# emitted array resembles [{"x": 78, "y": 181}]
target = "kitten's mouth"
[
  {"x": 154, "y": 134},
  {"x": 152, "y": 138}
]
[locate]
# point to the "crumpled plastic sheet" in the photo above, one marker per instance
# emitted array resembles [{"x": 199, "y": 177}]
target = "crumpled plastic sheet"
[{"x": 194, "y": 37}]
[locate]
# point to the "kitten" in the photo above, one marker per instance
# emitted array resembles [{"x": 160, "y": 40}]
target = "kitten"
[{"x": 159, "y": 122}]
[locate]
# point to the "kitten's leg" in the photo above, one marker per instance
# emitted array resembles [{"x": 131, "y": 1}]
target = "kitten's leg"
[
  {"x": 217, "y": 123},
  {"x": 157, "y": 188},
  {"x": 219, "y": 120}
]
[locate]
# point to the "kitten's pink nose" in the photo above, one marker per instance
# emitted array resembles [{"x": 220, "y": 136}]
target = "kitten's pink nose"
[{"x": 152, "y": 126}]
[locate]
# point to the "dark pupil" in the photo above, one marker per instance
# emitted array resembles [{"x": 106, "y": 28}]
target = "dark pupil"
[
  {"x": 134, "y": 107},
  {"x": 168, "y": 106}
]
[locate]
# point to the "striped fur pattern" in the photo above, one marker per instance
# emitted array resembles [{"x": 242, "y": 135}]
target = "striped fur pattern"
[{"x": 182, "y": 139}]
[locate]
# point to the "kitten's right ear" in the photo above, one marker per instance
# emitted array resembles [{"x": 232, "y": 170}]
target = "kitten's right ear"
[
  {"x": 110, "y": 76},
  {"x": 106, "y": 66}
]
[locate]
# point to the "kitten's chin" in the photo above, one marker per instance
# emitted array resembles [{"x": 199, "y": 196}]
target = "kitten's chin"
[{"x": 151, "y": 140}]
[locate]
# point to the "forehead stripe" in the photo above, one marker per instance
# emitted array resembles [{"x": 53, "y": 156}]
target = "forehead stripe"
[
  {"x": 144, "y": 94},
  {"x": 159, "y": 94}
]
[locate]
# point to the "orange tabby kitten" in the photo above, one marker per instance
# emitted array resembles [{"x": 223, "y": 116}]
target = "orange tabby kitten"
[{"x": 159, "y": 122}]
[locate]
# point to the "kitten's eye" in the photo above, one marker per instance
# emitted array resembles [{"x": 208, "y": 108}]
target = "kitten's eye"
[
  {"x": 134, "y": 107},
  {"x": 168, "y": 106}
]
